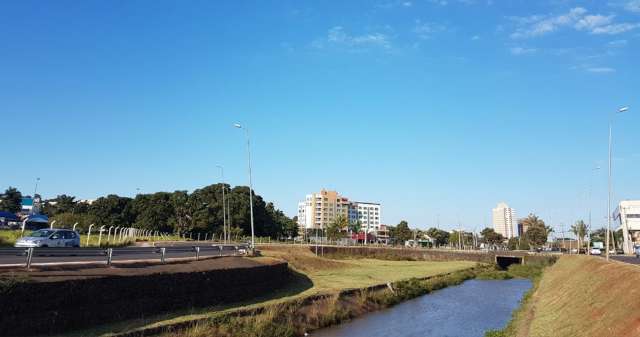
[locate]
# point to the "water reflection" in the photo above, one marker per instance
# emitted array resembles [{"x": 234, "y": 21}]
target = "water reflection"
[{"x": 467, "y": 310}]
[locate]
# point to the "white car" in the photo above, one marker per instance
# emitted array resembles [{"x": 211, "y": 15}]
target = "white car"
[
  {"x": 50, "y": 238},
  {"x": 595, "y": 251}
]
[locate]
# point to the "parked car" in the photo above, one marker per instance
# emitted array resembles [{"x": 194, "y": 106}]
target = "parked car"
[
  {"x": 596, "y": 251},
  {"x": 50, "y": 238}
]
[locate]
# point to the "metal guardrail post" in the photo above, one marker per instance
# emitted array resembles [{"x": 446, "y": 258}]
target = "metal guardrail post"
[
  {"x": 109, "y": 256},
  {"x": 197, "y": 249},
  {"x": 29, "y": 257},
  {"x": 163, "y": 251}
]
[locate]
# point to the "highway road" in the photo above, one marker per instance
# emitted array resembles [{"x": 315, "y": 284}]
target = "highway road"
[
  {"x": 17, "y": 256},
  {"x": 625, "y": 258}
]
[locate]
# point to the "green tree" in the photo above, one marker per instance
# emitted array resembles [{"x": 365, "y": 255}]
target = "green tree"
[
  {"x": 518, "y": 243},
  {"x": 492, "y": 238},
  {"x": 335, "y": 229},
  {"x": 537, "y": 232},
  {"x": 536, "y": 236},
  {"x": 11, "y": 200},
  {"x": 112, "y": 210},
  {"x": 402, "y": 232},
  {"x": 153, "y": 211},
  {"x": 580, "y": 231},
  {"x": 67, "y": 220},
  {"x": 61, "y": 204},
  {"x": 355, "y": 226},
  {"x": 440, "y": 237}
]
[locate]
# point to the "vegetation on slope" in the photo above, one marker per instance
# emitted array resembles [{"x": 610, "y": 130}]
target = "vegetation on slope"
[{"x": 580, "y": 296}]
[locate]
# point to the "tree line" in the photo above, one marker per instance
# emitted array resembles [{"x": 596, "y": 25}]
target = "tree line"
[{"x": 175, "y": 212}]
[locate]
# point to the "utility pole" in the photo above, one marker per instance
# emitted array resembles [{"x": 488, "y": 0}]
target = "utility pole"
[
  {"x": 253, "y": 246},
  {"x": 224, "y": 214},
  {"x": 623, "y": 109}
]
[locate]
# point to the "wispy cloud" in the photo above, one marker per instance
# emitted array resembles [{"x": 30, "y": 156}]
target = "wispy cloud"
[
  {"x": 615, "y": 29},
  {"x": 538, "y": 25},
  {"x": 426, "y": 30},
  {"x": 594, "y": 69},
  {"x": 633, "y": 6},
  {"x": 618, "y": 43},
  {"x": 576, "y": 18},
  {"x": 475, "y": 38},
  {"x": 338, "y": 37},
  {"x": 521, "y": 50},
  {"x": 600, "y": 70}
]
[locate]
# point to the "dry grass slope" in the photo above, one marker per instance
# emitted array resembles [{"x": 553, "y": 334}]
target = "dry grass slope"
[{"x": 584, "y": 296}]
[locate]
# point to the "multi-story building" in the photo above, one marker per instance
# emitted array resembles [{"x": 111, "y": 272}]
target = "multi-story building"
[
  {"x": 522, "y": 227},
  {"x": 627, "y": 214},
  {"x": 318, "y": 210},
  {"x": 503, "y": 216},
  {"x": 369, "y": 215}
]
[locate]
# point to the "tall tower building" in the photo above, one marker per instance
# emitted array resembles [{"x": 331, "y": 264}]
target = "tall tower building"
[{"x": 503, "y": 217}]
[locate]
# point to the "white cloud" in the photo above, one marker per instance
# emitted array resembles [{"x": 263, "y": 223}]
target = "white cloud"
[
  {"x": 615, "y": 28},
  {"x": 407, "y": 4},
  {"x": 576, "y": 18},
  {"x": 475, "y": 38},
  {"x": 600, "y": 70},
  {"x": 522, "y": 50},
  {"x": 425, "y": 30},
  {"x": 618, "y": 43},
  {"x": 539, "y": 25},
  {"x": 336, "y": 36},
  {"x": 590, "y": 22},
  {"x": 633, "y": 6}
]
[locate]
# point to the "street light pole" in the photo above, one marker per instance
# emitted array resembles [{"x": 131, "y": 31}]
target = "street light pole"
[
  {"x": 609, "y": 189},
  {"x": 250, "y": 182},
  {"x": 224, "y": 215},
  {"x": 589, "y": 204}
]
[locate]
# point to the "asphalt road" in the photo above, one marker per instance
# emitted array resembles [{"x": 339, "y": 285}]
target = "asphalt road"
[
  {"x": 626, "y": 258},
  {"x": 14, "y": 256}
]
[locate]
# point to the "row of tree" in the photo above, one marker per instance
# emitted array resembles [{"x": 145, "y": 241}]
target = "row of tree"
[{"x": 179, "y": 211}]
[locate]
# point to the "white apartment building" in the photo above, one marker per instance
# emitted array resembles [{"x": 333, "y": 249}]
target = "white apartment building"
[
  {"x": 627, "y": 215},
  {"x": 369, "y": 214},
  {"x": 503, "y": 219}
]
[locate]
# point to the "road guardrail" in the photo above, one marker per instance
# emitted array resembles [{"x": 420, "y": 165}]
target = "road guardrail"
[{"x": 109, "y": 253}]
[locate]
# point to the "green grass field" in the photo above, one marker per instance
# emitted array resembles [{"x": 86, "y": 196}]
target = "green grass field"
[
  {"x": 316, "y": 275},
  {"x": 9, "y": 237}
]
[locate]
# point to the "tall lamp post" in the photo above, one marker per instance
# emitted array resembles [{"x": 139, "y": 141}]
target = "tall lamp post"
[
  {"x": 597, "y": 168},
  {"x": 224, "y": 215},
  {"x": 623, "y": 109},
  {"x": 246, "y": 131}
]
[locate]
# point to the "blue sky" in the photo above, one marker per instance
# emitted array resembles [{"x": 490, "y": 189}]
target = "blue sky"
[{"x": 429, "y": 107}]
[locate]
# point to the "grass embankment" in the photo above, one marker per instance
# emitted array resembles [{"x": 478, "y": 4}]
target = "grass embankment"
[
  {"x": 324, "y": 292},
  {"x": 9, "y": 237},
  {"x": 580, "y": 296}
]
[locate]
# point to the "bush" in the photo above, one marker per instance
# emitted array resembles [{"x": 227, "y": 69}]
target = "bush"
[{"x": 495, "y": 333}]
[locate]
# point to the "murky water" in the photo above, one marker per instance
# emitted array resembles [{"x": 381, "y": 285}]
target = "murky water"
[{"x": 467, "y": 310}]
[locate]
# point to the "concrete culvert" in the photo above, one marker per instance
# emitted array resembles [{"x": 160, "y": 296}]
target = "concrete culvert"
[{"x": 505, "y": 261}]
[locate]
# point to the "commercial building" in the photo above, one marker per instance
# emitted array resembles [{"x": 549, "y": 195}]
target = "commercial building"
[
  {"x": 522, "y": 227},
  {"x": 627, "y": 215},
  {"x": 503, "y": 216}
]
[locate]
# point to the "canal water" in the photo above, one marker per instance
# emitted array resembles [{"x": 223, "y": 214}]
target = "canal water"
[{"x": 466, "y": 310}]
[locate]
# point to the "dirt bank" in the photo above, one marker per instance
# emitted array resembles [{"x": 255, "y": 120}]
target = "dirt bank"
[
  {"x": 55, "y": 301},
  {"x": 582, "y": 296}
]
